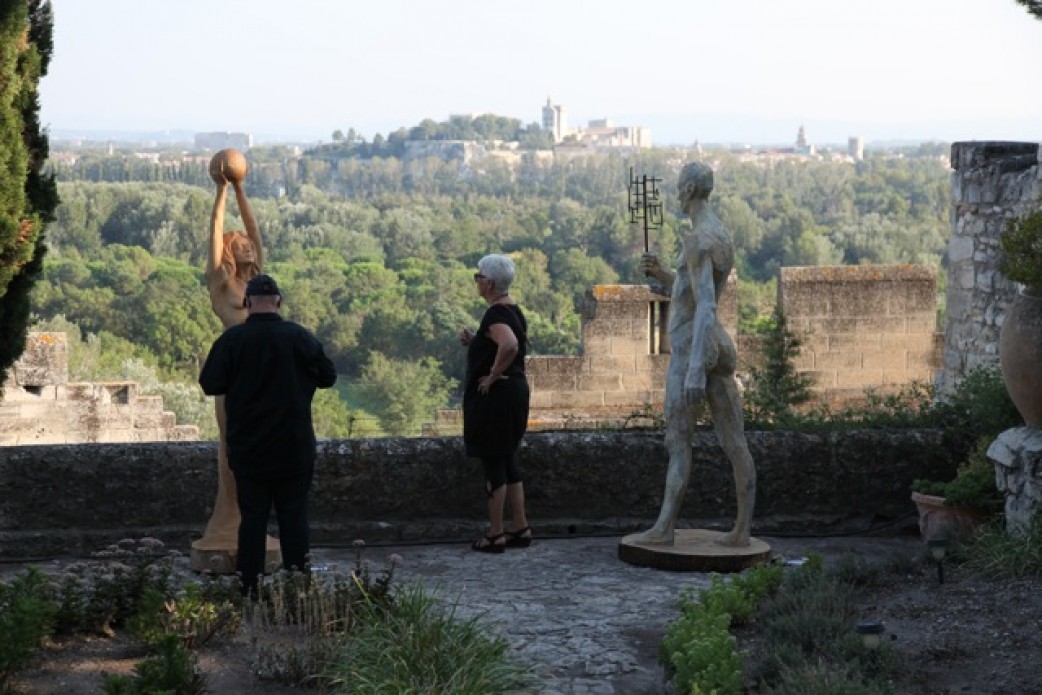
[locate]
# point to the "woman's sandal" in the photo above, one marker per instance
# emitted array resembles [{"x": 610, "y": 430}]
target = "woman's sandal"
[
  {"x": 518, "y": 539},
  {"x": 488, "y": 544}
]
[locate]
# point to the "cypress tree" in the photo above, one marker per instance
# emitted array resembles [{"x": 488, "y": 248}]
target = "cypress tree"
[
  {"x": 777, "y": 387},
  {"x": 28, "y": 196}
]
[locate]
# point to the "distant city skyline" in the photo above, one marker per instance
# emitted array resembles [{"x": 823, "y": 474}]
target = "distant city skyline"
[{"x": 744, "y": 71}]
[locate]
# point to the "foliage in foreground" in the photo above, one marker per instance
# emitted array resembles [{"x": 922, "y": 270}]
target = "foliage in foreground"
[
  {"x": 305, "y": 628},
  {"x": 420, "y": 645},
  {"x": 808, "y": 644},
  {"x": 805, "y": 617},
  {"x": 172, "y": 669},
  {"x": 698, "y": 649},
  {"x": 995, "y": 552},
  {"x": 973, "y": 486},
  {"x": 26, "y": 619}
]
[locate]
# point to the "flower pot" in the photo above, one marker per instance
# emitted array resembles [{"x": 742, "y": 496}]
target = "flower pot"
[
  {"x": 937, "y": 520},
  {"x": 1020, "y": 356}
]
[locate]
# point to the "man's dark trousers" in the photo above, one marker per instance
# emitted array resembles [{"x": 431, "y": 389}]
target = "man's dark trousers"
[{"x": 256, "y": 495}]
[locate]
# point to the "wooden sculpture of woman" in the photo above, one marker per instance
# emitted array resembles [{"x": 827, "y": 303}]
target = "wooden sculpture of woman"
[{"x": 234, "y": 258}]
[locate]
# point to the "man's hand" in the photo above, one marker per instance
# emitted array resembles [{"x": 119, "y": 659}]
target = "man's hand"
[{"x": 465, "y": 336}]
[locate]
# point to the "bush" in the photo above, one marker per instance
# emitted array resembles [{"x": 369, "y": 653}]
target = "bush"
[
  {"x": 418, "y": 645},
  {"x": 102, "y": 593},
  {"x": 808, "y": 645},
  {"x": 1021, "y": 244},
  {"x": 997, "y": 553},
  {"x": 26, "y": 619},
  {"x": 978, "y": 406},
  {"x": 698, "y": 648},
  {"x": 172, "y": 671}
]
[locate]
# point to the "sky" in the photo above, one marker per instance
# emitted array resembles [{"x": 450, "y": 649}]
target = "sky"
[{"x": 712, "y": 71}]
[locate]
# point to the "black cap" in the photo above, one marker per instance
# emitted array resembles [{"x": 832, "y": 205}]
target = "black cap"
[{"x": 262, "y": 284}]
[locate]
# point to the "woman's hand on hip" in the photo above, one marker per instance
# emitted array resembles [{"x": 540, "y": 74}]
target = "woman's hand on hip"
[{"x": 485, "y": 383}]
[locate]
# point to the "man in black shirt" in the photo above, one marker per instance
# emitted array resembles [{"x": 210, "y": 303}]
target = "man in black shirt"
[{"x": 267, "y": 369}]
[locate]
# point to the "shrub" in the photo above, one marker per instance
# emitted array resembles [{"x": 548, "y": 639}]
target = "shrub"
[
  {"x": 26, "y": 619},
  {"x": 418, "y": 644},
  {"x": 973, "y": 486},
  {"x": 101, "y": 593},
  {"x": 997, "y": 553},
  {"x": 777, "y": 388},
  {"x": 190, "y": 615},
  {"x": 978, "y": 406},
  {"x": 172, "y": 671},
  {"x": 698, "y": 648},
  {"x": 808, "y": 645},
  {"x": 1021, "y": 244}
]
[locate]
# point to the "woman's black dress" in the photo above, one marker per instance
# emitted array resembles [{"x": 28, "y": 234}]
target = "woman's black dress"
[{"x": 493, "y": 424}]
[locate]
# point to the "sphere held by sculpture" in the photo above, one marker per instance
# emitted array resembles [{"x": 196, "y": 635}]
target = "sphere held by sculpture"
[{"x": 228, "y": 165}]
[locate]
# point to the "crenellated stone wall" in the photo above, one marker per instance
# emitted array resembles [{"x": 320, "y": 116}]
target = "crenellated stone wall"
[
  {"x": 993, "y": 182},
  {"x": 40, "y": 405},
  {"x": 863, "y": 327},
  {"x": 866, "y": 326},
  {"x": 619, "y": 376}
]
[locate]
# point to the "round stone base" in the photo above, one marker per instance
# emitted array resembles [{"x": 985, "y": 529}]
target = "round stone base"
[
  {"x": 216, "y": 557},
  {"x": 694, "y": 550}
]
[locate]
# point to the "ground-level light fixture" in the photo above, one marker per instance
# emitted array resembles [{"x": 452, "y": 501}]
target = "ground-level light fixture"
[
  {"x": 938, "y": 548},
  {"x": 871, "y": 633}
]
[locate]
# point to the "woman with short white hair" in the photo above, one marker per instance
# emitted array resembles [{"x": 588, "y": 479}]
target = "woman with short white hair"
[{"x": 495, "y": 402}]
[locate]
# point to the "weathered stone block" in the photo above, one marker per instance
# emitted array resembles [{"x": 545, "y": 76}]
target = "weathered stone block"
[
  {"x": 837, "y": 360},
  {"x": 628, "y": 347},
  {"x": 613, "y": 364},
  {"x": 861, "y": 378},
  {"x": 895, "y": 359},
  {"x": 599, "y": 382},
  {"x": 882, "y": 324}
]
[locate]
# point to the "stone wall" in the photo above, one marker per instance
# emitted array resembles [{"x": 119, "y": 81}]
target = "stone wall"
[
  {"x": 57, "y": 500},
  {"x": 993, "y": 183},
  {"x": 866, "y": 326},
  {"x": 40, "y": 406},
  {"x": 619, "y": 376},
  {"x": 863, "y": 327}
]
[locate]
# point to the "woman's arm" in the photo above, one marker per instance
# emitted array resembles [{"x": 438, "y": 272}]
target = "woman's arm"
[{"x": 506, "y": 351}]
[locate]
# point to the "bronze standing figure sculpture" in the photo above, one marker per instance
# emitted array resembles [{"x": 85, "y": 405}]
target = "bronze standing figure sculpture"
[{"x": 701, "y": 369}]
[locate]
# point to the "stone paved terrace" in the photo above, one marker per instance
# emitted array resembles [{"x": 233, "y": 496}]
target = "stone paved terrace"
[{"x": 584, "y": 622}]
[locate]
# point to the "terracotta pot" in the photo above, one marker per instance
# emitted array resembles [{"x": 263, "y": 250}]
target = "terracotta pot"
[
  {"x": 1020, "y": 356},
  {"x": 937, "y": 520}
]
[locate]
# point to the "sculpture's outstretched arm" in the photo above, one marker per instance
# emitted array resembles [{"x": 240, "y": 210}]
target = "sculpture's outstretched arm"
[
  {"x": 250, "y": 222},
  {"x": 213, "y": 263}
]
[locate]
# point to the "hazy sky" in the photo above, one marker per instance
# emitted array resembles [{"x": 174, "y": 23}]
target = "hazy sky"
[{"x": 709, "y": 70}]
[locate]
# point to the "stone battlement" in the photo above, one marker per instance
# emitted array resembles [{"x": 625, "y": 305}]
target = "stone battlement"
[
  {"x": 41, "y": 406},
  {"x": 863, "y": 327}
]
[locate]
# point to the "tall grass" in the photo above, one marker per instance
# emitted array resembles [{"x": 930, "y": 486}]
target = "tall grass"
[{"x": 419, "y": 644}]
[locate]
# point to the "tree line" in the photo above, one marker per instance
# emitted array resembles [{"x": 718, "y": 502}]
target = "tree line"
[{"x": 376, "y": 254}]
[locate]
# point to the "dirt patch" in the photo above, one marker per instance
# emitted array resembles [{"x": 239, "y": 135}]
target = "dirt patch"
[{"x": 967, "y": 635}]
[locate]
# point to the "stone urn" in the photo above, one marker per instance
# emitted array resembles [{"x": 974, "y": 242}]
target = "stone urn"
[
  {"x": 1020, "y": 355},
  {"x": 937, "y": 520}
]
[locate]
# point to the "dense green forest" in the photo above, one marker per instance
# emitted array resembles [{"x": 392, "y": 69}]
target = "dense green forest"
[{"x": 375, "y": 254}]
